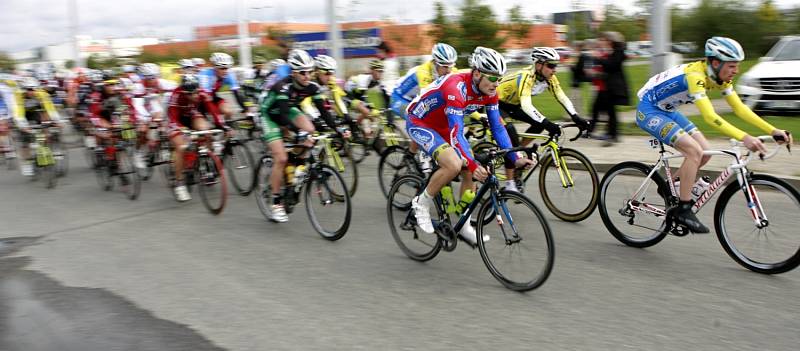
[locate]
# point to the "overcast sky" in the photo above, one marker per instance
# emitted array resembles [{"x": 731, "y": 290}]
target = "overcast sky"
[{"x": 32, "y": 23}]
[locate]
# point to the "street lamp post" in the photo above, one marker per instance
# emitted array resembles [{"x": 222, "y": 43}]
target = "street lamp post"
[
  {"x": 73, "y": 31},
  {"x": 244, "y": 35}
]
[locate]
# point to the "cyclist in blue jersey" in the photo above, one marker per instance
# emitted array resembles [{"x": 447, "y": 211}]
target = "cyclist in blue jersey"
[{"x": 214, "y": 79}]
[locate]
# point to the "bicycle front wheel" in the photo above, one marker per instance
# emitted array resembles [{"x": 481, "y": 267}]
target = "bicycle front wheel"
[
  {"x": 638, "y": 221},
  {"x": 130, "y": 181},
  {"x": 328, "y": 203},
  {"x": 518, "y": 250},
  {"x": 396, "y": 161},
  {"x": 773, "y": 246},
  {"x": 343, "y": 163},
  {"x": 569, "y": 188},
  {"x": 211, "y": 182},
  {"x": 416, "y": 244},
  {"x": 239, "y": 163}
]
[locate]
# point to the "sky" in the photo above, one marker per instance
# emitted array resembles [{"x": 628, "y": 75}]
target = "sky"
[{"x": 32, "y": 23}]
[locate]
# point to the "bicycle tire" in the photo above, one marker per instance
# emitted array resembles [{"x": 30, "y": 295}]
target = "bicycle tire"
[
  {"x": 262, "y": 188},
  {"x": 49, "y": 175},
  {"x": 586, "y": 164},
  {"x": 209, "y": 171},
  {"x": 349, "y": 167},
  {"x": 126, "y": 170},
  {"x": 643, "y": 170},
  {"x": 398, "y": 169},
  {"x": 512, "y": 197},
  {"x": 236, "y": 158},
  {"x": 61, "y": 158},
  {"x": 327, "y": 174},
  {"x": 431, "y": 244},
  {"x": 735, "y": 252},
  {"x": 102, "y": 171}
]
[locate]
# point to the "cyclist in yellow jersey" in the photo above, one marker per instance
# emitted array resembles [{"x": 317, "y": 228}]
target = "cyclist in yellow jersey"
[
  {"x": 333, "y": 94},
  {"x": 658, "y": 115},
  {"x": 33, "y": 107},
  {"x": 515, "y": 92}
]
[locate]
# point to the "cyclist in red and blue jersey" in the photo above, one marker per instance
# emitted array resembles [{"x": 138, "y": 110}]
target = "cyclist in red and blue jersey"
[{"x": 435, "y": 121}]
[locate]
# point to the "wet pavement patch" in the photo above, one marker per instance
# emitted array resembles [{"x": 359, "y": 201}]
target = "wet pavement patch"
[{"x": 37, "y": 313}]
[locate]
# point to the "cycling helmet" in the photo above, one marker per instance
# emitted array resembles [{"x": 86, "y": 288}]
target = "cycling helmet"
[
  {"x": 300, "y": 60},
  {"x": 724, "y": 49},
  {"x": 128, "y": 68},
  {"x": 149, "y": 70},
  {"x": 186, "y": 63},
  {"x": 325, "y": 62},
  {"x": 376, "y": 65},
  {"x": 488, "y": 61},
  {"x": 29, "y": 83},
  {"x": 545, "y": 54},
  {"x": 444, "y": 54},
  {"x": 189, "y": 83},
  {"x": 221, "y": 59},
  {"x": 198, "y": 62},
  {"x": 274, "y": 64}
]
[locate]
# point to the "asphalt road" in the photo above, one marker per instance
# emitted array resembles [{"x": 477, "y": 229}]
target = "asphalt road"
[{"x": 84, "y": 269}]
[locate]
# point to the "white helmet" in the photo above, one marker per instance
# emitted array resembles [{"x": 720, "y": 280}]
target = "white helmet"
[
  {"x": 29, "y": 83},
  {"x": 128, "y": 68},
  {"x": 724, "y": 49},
  {"x": 488, "y": 61},
  {"x": 198, "y": 62},
  {"x": 300, "y": 60},
  {"x": 545, "y": 54},
  {"x": 186, "y": 63},
  {"x": 444, "y": 54},
  {"x": 221, "y": 59},
  {"x": 149, "y": 70},
  {"x": 325, "y": 62}
]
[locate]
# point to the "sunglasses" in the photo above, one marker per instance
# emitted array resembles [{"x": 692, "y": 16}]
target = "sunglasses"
[
  {"x": 326, "y": 72},
  {"x": 551, "y": 65},
  {"x": 304, "y": 73},
  {"x": 490, "y": 78}
]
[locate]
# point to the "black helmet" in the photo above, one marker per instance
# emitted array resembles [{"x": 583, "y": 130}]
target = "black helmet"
[{"x": 189, "y": 83}]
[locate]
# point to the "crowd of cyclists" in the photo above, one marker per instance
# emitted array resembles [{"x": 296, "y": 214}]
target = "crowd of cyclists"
[{"x": 293, "y": 97}]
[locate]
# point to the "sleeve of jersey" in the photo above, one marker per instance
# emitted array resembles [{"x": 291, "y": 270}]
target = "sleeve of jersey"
[
  {"x": 455, "y": 122},
  {"x": 499, "y": 130},
  {"x": 524, "y": 89},
  {"x": 742, "y": 111},
  {"x": 48, "y": 106},
  {"x": 230, "y": 80},
  {"x": 212, "y": 109},
  {"x": 172, "y": 110},
  {"x": 205, "y": 80},
  {"x": 713, "y": 119},
  {"x": 339, "y": 104},
  {"x": 407, "y": 83},
  {"x": 319, "y": 102},
  {"x": 562, "y": 98},
  {"x": 138, "y": 106}
]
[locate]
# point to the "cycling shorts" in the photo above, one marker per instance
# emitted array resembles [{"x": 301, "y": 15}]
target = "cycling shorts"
[
  {"x": 665, "y": 126},
  {"x": 272, "y": 124}
]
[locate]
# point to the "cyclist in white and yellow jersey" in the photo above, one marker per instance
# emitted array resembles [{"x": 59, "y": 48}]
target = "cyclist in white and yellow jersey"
[{"x": 658, "y": 115}]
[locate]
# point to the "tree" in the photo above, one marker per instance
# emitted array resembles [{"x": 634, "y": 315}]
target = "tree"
[
  {"x": 69, "y": 64},
  {"x": 617, "y": 21},
  {"x": 518, "y": 25},
  {"x": 477, "y": 27},
  {"x": 6, "y": 62},
  {"x": 443, "y": 31}
]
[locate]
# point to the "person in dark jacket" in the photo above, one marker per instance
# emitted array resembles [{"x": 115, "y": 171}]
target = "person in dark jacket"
[
  {"x": 579, "y": 76},
  {"x": 615, "y": 84}
]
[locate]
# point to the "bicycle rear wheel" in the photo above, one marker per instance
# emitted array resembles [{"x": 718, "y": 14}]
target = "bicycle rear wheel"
[
  {"x": 576, "y": 200},
  {"x": 396, "y": 161},
  {"x": 327, "y": 203},
  {"x": 771, "y": 249},
  {"x": 263, "y": 189},
  {"x": 638, "y": 222},
  {"x": 520, "y": 251},
  {"x": 211, "y": 182},
  {"x": 49, "y": 175},
  {"x": 130, "y": 182},
  {"x": 240, "y": 166},
  {"x": 416, "y": 244}
]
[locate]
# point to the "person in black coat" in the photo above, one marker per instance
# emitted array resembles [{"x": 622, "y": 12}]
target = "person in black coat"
[
  {"x": 613, "y": 76},
  {"x": 579, "y": 75}
]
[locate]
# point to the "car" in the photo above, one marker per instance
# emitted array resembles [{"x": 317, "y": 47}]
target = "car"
[{"x": 773, "y": 84}]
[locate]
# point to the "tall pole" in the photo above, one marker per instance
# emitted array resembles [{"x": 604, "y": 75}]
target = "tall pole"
[
  {"x": 73, "y": 32},
  {"x": 660, "y": 32},
  {"x": 244, "y": 35},
  {"x": 335, "y": 35}
]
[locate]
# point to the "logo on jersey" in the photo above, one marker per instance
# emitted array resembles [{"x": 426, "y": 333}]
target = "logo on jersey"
[
  {"x": 666, "y": 129},
  {"x": 640, "y": 115},
  {"x": 453, "y": 111},
  {"x": 462, "y": 88},
  {"x": 421, "y": 136},
  {"x": 473, "y": 107},
  {"x": 701, "y": 83},
  {"x": 653, "y": 123},
  {"x": 425, "y": 105},
  {"x": 451, "y": 97},
  {"x": 667, "y": 89}
]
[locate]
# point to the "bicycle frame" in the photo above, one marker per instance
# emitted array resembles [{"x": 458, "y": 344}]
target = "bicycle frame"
[
  {"x": 738, "y": 166},
  {"x": 551, "y": 146}
]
